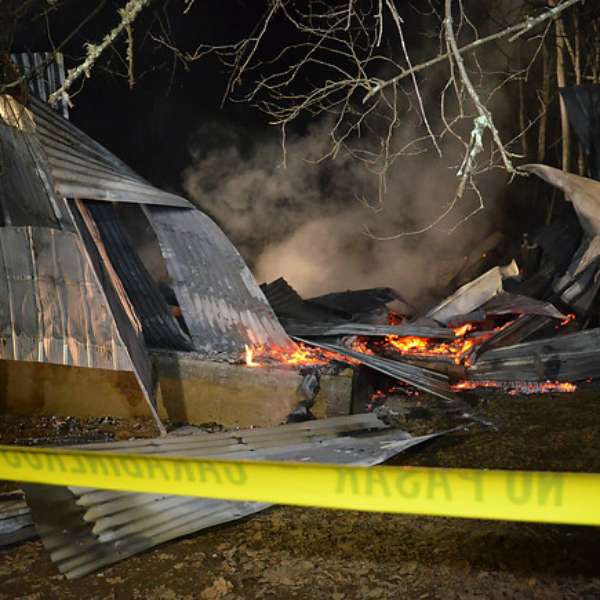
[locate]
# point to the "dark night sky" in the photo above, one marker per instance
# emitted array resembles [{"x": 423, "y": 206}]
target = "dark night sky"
[{"x": 150, "y": 127}]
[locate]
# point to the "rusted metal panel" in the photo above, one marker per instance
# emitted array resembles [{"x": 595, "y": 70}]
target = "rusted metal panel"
[
  {"x": 86, "y": 529},
  {"x": 222, "y": 305},
  {"x": 83, "y": 168}
]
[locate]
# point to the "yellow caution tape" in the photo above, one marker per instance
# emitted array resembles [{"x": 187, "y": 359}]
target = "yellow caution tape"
[{"x": 571, "y": 498}]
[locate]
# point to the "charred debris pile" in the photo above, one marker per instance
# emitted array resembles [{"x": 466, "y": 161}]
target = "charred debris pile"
[{"x": 528, "y": 325}]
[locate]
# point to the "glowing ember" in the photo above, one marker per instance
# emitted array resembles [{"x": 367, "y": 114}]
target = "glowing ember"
[
  {"x": 301, "y": 356},
  {"x": 570, "y": 317},
  {"x": 362, "y": 345},
  {"x": 518, "y": 387},
  {"x": 464, "y": 329}
]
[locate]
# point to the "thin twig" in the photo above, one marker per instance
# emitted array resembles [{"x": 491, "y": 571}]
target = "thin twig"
[{"x": 519, "y": 29}]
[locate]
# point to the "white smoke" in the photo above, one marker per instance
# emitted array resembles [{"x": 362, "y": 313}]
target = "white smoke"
[{"x": 306, "y": 222}]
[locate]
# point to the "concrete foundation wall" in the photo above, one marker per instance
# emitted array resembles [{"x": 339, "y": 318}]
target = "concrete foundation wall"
[{"x": 188, "y": 390}]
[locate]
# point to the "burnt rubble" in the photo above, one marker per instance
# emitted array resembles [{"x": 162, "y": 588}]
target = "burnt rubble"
[{"x": 530, "y": 322}]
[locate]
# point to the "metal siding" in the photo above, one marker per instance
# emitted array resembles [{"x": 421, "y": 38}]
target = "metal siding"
[
  {"x": 49, "y": 74},
  {"x": 159, "y": 327},
  {"x": 24, "y": 199},
  {"x": 123, "y": 317},
  {"x": 51, "y": 308},
  {"x": 222, "y": 305}
]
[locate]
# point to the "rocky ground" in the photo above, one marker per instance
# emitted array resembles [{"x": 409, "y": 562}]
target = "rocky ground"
[{"x": 301, "y": 553}]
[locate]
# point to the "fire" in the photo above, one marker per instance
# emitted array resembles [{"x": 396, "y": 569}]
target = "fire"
[
  {"x": 518, "y": 387},
  {"x": 249, "y": 357},
  {"x": 455, "y": 349},
  {"x": 458, "y": 349},
  {"x": 301, "y": 355},
  {"x": 570, "y": 317},
  {"x": 361, "y": 345},
  {"x": 463, "y": 330}
]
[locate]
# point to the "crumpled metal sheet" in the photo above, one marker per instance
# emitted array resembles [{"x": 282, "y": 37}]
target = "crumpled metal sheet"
[
  {"x": 222, "y": 305},
  {"x": 82, "y": 168},
  {"x": 570, "y": 357},
  {"x": 15, "y": 519},
  {"x": 583, "y": 192},
  {"x": 52, "y": 308},
  {"x": 358, "y": 304},
  {"x": 86, "y": 529},
  {"x": 424, "y": 379},
  {"x": 472, "y": 295},
  {"x": 319, "y": 329},
  {"x": 334, "y": 315},
  {"x": 285, "y": 300},
  {"x": 505, "y": 303}
]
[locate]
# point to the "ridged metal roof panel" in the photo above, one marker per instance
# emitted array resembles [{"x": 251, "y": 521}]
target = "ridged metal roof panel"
[
  {"x": 222, "y": 305},
  {"x": 83, "y": 168},
  {"x": 86, "y": 529}
]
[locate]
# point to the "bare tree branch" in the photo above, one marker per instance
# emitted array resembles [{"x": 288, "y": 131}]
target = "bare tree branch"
[
  {"x": 518, "y": 30},
  {"x": 128, "y": 15}
]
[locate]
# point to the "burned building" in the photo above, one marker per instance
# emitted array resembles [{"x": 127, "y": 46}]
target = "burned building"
[{"x": 99, "y": 269}]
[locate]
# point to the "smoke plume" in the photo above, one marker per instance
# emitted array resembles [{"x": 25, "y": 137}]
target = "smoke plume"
[{"x": 309, "y": 221}]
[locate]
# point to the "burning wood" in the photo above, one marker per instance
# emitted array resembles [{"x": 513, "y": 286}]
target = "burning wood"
[{"x": 302, "y": 355}]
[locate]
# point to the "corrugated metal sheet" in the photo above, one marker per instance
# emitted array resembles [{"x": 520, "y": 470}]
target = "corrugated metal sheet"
[
  {"x": 301, "y": 329},
  {"x": 45, "y": 72},
  {"x": 571, "y": 357},
  {"x": 159, "y": 327},
  {"x": 354, "y": 303},
  {"x": 424, "y": 379},
  {"x": 320, "y": 317},
  {"x": 83, "y": 168},
  {"x": 283, "y": 298},
  {"x": 222, "y": 305},
  {"x": 52, "y": 308},
  {"x": 59, "y": 301},
  {"x": 86, "y": 529},
  {"x": 16, "y": 524},
  {"x": 26, "y": 195},
  {"x": 125, "y": 319}
]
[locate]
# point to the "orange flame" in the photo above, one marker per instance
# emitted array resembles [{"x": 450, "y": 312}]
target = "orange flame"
[
  {"x": 463, "y": 329},
  {"x": 301, "y": 355},
  {"x": 455, "y": 349},
  {"x": 570, "y": 317},
  {"x": 249, "y": 357}
]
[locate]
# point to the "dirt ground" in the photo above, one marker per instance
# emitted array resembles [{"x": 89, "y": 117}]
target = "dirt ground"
[{"x": 300, "y": 553}]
